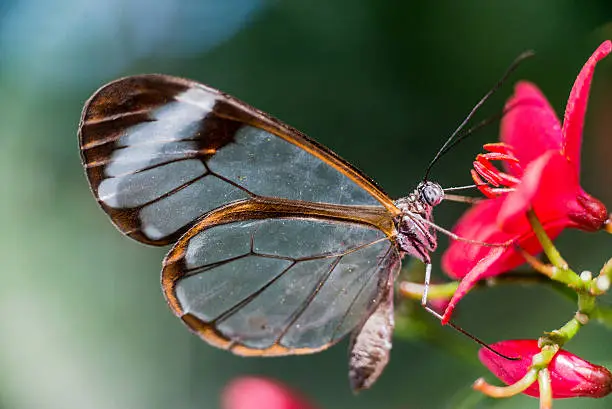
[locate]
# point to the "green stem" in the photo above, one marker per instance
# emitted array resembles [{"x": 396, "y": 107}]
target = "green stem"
[
  {"x": 551, "y": 251},
  {"x": 414, "y": 291},
  {"x": 436, "y": 291},
  {"x": 586, "y": 303},
  {"x": 545, "y": 389},
  {"x": 562, "y": 271},
  {"x": 566, "y": 332},
  {"x": 607, "y": 269},
  {"x": 547, "y": 353},
  {"x": 506, "y": 391},
  {"x": 586, "y": 308}
]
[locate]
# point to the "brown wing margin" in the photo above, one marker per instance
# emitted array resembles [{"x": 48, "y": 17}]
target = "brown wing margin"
[
  {"x": 111, "y": 110},
  {"x": 130, "y": 101},
  {"x": 233, "y": 108},
  {"x": 174, "y": 263}
]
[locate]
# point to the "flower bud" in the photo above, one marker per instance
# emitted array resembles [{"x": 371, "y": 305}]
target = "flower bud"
[
  {"x": 571, "y": 376},
  {"x": 591, "y": 215}
]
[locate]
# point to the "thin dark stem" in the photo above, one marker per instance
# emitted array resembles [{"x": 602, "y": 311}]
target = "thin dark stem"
[{"x": 469, "y": 335}]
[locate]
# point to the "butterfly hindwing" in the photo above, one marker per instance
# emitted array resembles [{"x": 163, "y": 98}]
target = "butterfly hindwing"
[{"x": 277, "y": 285}]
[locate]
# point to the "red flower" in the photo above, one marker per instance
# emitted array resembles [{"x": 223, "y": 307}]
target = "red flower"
[
  {"x": 570, "y": 375},
  {"x": 260, "y": 393},
  {"x": 542, "y": 167}
]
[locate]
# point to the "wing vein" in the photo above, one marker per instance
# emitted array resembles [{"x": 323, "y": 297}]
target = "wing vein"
[
  {"x": 236, "y": 307},
  {"x": 304, "y": 305},
  {"x": 206, "y": 267},
  {"x": 115, "y": 117},
  {"x": 231, "y": 182},
  {"x": 374, "y": 270},
  {"x": 168, "y": 194},
  {"x": 146, "y": 168}
]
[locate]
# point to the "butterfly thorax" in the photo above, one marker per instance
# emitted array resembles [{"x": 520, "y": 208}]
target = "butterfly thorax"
[{"x": 415, "y": 234}]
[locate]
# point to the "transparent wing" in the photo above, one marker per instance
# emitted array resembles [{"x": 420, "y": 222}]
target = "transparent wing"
[
  {"x": 160, "y": 152},
  {"x": 278, "y": 285}
]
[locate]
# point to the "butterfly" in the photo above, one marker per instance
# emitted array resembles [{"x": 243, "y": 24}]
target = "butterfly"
[{"x": 279, "y": 246}]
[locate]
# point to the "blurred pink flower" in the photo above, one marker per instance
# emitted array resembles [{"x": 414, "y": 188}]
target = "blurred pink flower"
[{"x": 261, "y": 393}]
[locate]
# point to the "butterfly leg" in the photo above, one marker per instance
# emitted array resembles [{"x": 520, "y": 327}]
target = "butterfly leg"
[{"x": 426, "y": 284}]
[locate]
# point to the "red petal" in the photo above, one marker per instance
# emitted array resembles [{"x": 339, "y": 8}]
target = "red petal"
[
  {"x": 571, "y": 376},
  {"x": 260, "y": 393},
  {"x": 481, "y": 270},
  {"x": 478, "y": 223},
  {"x": 550, "y": 186},
  {"x": 575, "y": 109},
  {"x": 473, "y": 262},
  {"x": 531, "y": 126},
  {"x": 483, "y": 262}
]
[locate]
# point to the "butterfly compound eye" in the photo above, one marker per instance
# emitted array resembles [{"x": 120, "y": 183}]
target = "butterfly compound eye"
[{"x": 431, "y": 193}]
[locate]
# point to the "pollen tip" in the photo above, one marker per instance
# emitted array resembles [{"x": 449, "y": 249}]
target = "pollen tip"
[
  {"x": 608, "y": 224},
  {"x": 603, "y": 283}
]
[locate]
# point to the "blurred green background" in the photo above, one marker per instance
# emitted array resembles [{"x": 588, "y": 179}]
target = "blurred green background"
[{"x": 83, "y": 323}]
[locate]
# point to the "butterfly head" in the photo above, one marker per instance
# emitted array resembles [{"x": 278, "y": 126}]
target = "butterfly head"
[
  {"x": 415, "y": 235},
  {"x": 429, "y": 193}
]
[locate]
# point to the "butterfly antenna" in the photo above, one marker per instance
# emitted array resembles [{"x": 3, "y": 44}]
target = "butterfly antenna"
[
  {"x": 515, "y": 64},
  {"x": 469, "y": 335},
  {"x": 477, "y": 127}
]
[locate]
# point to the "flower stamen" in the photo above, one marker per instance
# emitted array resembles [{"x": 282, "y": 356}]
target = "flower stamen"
[{"x": 491, "y": 181}]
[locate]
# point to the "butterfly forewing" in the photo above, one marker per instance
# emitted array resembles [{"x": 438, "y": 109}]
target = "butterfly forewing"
[
  {"x": 277, "y": 281},
  {"x": 160, "y": 152}
]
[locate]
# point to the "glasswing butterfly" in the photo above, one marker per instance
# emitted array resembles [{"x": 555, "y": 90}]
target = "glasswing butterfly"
[{"x": 280, "y": 246}]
